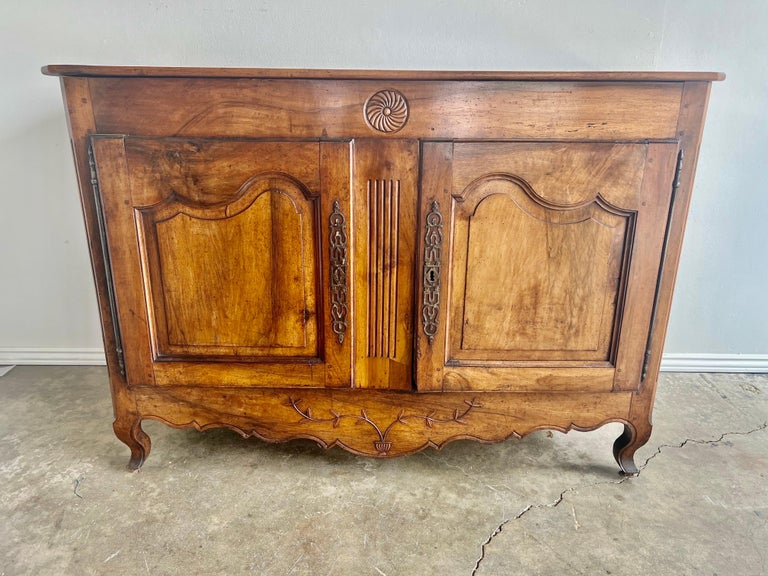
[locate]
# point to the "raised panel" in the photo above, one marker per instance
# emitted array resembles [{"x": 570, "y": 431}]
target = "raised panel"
[
  {"x": 235, "y": 279},
  {"x": 212, "y": 171},
  {"x": 559, "y": 173},
  {"x": 532, "y": 282}
]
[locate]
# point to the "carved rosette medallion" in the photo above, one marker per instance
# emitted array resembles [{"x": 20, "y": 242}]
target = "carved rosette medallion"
[
  {"x": 338, "y": 249},
  {"x": 433, "y": 249},
  {"x": 386, "y": 111}
]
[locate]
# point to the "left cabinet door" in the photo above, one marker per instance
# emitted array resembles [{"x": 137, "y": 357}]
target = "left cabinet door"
[{"x": 229, "y": 259}]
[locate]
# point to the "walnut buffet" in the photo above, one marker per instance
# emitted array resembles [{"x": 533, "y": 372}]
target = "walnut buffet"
[{"x": 384, "y": 261}]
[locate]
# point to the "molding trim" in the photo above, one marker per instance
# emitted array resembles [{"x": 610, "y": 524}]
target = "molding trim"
[
  {"x": 53, "y": 356},
  {"x": 749, "y": 363}
]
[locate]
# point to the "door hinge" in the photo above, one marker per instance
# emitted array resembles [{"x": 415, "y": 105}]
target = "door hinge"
[
  {"x": 107, "y": 263},
  {"x": 675, "y": 186}
]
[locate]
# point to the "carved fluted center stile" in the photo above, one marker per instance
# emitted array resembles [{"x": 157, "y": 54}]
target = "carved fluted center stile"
[{"x": 383, "y": 248}]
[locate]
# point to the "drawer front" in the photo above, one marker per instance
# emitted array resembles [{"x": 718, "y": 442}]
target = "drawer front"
[{"x": 249, "y": 108}]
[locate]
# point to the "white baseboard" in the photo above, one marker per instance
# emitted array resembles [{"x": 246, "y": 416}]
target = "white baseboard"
[
  {"x": 669, "y": 362},
  {"x": 53, "y": 356},
  {"x": 753, "y": 363}
]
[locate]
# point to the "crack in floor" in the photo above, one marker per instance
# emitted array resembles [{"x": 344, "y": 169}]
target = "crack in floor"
[
  {"x": 694, "y": 441},
  {"x": 561, "y": 497}
]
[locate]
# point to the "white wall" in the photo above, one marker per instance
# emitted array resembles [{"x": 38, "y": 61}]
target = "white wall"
[{"x": 46, "y": 295}]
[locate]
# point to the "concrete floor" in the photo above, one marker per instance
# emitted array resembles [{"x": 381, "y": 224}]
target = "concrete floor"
[{"x": 214, "y": 503}]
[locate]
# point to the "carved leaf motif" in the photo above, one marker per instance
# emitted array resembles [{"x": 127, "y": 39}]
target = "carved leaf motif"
[{"x": 382, "y": 445}]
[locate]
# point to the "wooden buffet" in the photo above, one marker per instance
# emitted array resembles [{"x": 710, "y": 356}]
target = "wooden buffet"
[{"x": 380, "y": 260}]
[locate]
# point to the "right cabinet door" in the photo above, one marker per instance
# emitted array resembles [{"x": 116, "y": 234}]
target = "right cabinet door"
[{"x": 539, "y": 263}]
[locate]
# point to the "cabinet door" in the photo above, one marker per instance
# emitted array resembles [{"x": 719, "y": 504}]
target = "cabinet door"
[
  {"x": 540, "y": 263},
  {"x": 218, "y": 253}
]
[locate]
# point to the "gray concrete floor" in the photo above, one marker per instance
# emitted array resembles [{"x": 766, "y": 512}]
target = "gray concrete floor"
[{"x": 214, "y": 503}]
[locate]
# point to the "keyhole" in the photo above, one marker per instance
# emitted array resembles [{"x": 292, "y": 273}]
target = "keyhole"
[{"x": 432, "y": 276}]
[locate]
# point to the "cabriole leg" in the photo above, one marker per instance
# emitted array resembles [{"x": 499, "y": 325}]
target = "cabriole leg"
[
  {"x": 128, "y": 430},
  {"x": 626, "y": 445}
]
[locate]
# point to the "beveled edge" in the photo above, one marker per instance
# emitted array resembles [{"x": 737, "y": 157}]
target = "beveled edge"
[{"x": 351, "y": 74}]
